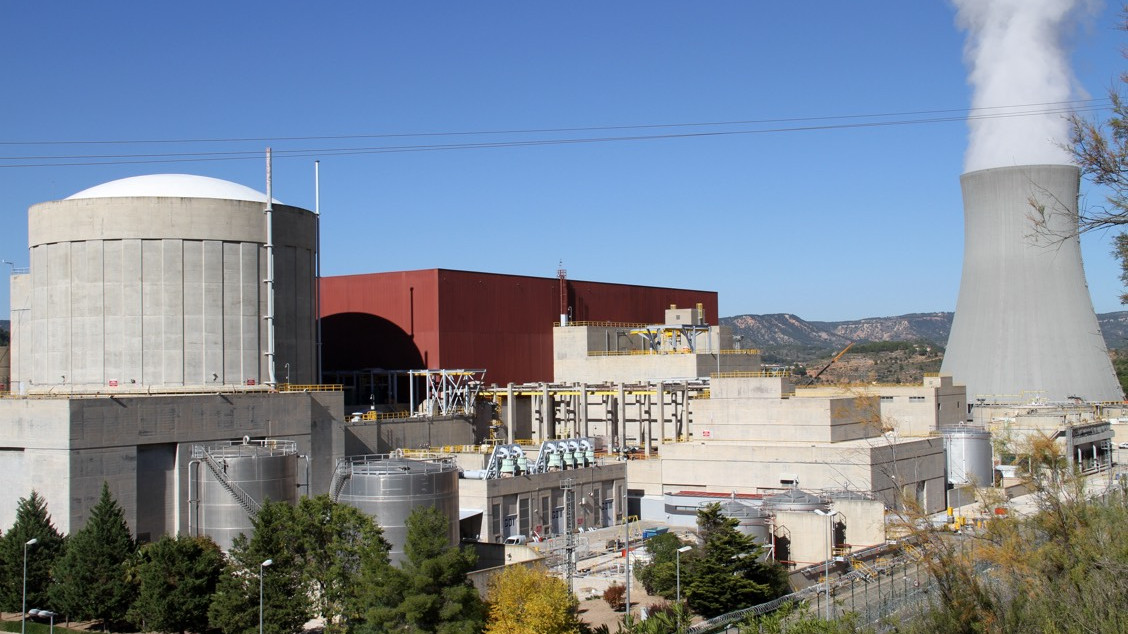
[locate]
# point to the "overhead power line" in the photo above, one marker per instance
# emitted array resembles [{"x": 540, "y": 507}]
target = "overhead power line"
[{"x": 822, "y": 123}]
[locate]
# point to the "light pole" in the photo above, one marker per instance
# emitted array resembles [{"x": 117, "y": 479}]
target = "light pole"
[
  {"x": 677, "y": 576},
  {"x": 23, "y": 615},
  {"x": 51, "y": 615},
  {"x": 829, "y": 540},
  {"x": 262, "y": 567}
]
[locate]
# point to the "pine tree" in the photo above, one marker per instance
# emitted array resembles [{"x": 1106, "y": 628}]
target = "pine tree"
[
  {"x": 178, "y": 577},
  {"x": 430, "y": 591},
  {"x": 334, "y": 541},
  {"x": 91, "y": 576},
  {"x": 285, "y": 601},
  {"x": 728, "y": 574},
  {"x": 32, "y": 522}
]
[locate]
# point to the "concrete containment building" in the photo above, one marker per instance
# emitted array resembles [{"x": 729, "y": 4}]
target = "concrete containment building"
[
  {"x": 1024, "y": 327},
  {"x": 162, "y": 281}
]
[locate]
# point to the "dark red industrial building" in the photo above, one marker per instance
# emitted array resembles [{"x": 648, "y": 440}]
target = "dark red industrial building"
[{"x": 440, "y": 319}]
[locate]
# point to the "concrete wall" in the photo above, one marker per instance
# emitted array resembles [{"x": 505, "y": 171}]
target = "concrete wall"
[
  {"x": 522, "y": 504},
  {"x": 66, "y": 447},
  {"x": 380, "y": 437},
  {"x": 165, "y": 292},
  {"x": 911, "y": 410}
]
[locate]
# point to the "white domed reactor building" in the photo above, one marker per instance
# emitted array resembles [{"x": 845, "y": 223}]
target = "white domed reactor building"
[
  {"x": 162, "y": 281},
  {"x": 148, "y": 324}
]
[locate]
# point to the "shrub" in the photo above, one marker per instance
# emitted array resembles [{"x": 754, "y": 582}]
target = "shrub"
[{"x": 614, "y": 595}]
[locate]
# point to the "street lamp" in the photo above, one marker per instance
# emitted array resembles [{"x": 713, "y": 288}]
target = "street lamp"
[
  {"x": 23, "y": 616},
  {"x": 262, "y": 566},
  {"x": 51, "y": 615},
  {"x": 829, "y": 540},
  {"x": 677, "y": 556}
]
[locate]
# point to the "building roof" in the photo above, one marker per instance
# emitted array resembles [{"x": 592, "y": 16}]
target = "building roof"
[{"x": 172, "y": 186}]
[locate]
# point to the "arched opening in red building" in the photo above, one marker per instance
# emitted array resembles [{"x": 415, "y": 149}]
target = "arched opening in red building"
[{"x": 367, "y": 355}]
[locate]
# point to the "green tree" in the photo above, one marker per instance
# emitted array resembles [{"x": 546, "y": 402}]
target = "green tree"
[
  {"x": 728, "y": 573},
  {"x": 527, "y": 600},
  {"x": 91, "y": 576},
  {"x": 659, "y": 577},
  {"x": 285, "y": 601},
  {"x": 32, "y": 522},
  {"x": 333, "y": 542},
  {"x": 177, "y": 578},
  {"x": 1100, "y": 149},
  {"x": 429, "y": 592}
]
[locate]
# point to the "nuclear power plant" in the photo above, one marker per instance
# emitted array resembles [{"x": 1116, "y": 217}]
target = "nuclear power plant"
[
  {"x": 169, "y": 334},
  {"x": 1024, "y": 328}
]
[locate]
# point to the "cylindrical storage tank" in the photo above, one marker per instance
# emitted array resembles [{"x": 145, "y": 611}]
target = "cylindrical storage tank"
[
  {"x": 159, "y": 280},
  {"x": 752, "y": 520},
  {"x": 969, "y": 454},
  {"x": 389, "y": 489},
  {"x": 229, "y": 473},
  {"x": 795, "y": 500}
]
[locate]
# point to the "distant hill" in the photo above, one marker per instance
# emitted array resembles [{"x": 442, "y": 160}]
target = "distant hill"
[{"x": 786, "y": 338}]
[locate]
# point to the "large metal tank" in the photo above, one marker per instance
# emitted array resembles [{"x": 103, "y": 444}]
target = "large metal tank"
[
  {"x": 160, "y": 281},
  {"x": 754, "y": 521},
  {"x": 230, "y": 481},
  {"x": 795, "y": 500},
  {"x": 969, "y": 455},
  {"x": 389, "y": 488}
]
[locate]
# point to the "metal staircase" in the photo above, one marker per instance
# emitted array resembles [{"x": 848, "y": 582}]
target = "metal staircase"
[{"x": 244, "y": 499}]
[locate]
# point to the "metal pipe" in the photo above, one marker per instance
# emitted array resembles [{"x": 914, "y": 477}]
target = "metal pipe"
[
  {"x": 193, "y": 502},
  {"x": 262, "y": 566},
  {"x": 271, "y": 380},
  {"x": 23, "y": 616},
  {"x": 317, "y": 263}
]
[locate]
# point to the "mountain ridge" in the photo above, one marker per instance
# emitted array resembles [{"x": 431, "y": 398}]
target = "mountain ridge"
[{"x": 788, "y": 337}]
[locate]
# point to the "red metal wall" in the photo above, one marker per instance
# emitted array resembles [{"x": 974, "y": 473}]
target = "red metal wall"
[{"x": 503, "y": 323}]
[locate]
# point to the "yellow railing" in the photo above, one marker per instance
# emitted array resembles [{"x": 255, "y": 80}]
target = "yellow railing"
[
  {"x": 372, "y": 415},
  {"x": 609, "y": 324},
  {"x": 327, "y": 387},
  {"x": 762, "y": 374},
  {"x": 627, "y": 353}
]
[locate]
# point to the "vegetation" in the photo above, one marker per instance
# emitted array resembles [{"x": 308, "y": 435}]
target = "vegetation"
[
  {"x": 91, "y": 577},
  {"x": 659, "y": 577},
  {"x": 285, "y": 604},
  {"x": 727, "y": 571},
  {"x": 32, "y": 522},
  {"x": 615, "y": 596},
  {"x": 913, "y": 347},
  {"x": 176, "y": 580},
  {"x": 332, "y": 542},
  {"x": 527, "y": 600},
  {"x": 429, "y": 592}
]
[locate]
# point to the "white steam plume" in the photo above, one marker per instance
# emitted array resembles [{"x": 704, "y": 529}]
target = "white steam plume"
[{"x": 1016, "y": 56}]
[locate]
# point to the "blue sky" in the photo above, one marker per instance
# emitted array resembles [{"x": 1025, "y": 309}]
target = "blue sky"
[{"x": 829, "y": 224}]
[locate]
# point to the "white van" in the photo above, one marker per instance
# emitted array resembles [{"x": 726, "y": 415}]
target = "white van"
[{"x": 515, "y": 540}]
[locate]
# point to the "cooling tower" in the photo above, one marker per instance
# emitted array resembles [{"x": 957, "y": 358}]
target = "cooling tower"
[
  {"x": 159, "y": 281},
  {"x": 1024, "y": 326}
]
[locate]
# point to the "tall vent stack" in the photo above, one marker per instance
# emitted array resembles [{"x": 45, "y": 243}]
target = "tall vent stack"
[{"x": 1024, "y": 326}]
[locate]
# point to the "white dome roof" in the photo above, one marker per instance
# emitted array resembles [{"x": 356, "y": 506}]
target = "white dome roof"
[{"x": 172, "y": 186}]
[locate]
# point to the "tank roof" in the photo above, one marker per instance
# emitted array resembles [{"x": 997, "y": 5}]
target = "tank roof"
[{"x": 172, "y": 186}]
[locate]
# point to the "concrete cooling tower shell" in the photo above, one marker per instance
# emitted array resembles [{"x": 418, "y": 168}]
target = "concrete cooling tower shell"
[
  {"x": 1024, "y": 326},
  {"x": 159, "y": 281}
]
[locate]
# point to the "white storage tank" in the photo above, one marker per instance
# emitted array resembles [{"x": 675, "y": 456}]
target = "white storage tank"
[
  {"x": 969, "y": 454},
  {"x": 230, "y": 481},
  {"x": 389, "y": 488},
  {"x": 159, "y": 281}
]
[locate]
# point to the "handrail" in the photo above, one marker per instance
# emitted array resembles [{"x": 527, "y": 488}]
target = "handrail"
[
  {"x": 241, "y": 496},
  {"x": 313, "y": 387},
  {"x": 644, "y": 352},
  {"x": 609, "y": 324}
]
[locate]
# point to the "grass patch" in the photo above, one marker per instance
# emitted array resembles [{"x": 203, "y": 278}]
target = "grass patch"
[{"x": 35, "y": 627}]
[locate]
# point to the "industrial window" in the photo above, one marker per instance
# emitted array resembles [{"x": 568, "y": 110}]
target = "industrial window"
[
  {"x": 916, "y": 399},
  {"x": 886, "y": 399}
]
